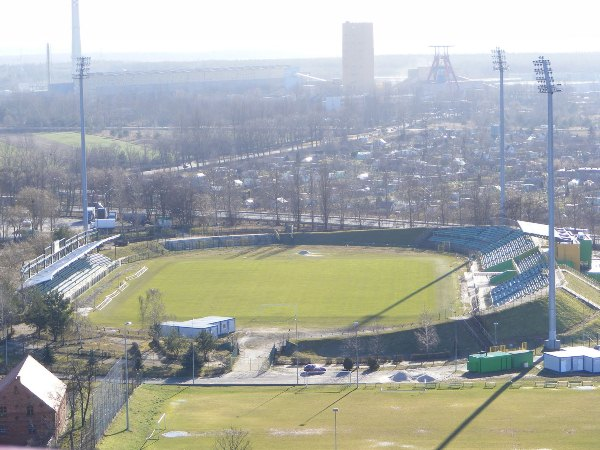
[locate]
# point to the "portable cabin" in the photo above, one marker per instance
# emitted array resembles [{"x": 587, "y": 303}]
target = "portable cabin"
[
  {"x": 573, "y": 359},
  {"x": 216, "y": 325},
  {"x": 489, "y": 362}
]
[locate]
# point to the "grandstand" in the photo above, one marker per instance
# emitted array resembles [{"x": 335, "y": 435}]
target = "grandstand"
[
  {"x": 69, "y": 266},
  {"x": 511, "y": 256}
]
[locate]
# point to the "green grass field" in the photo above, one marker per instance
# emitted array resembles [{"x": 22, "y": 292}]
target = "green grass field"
[
  {"x": 302, "y": 418},
  {"x": 267, "y": 286},
  {"x": 94, "y": 141}
]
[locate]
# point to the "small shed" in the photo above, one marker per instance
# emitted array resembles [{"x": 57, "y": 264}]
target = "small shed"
[
  {"x": 573, "y": 359},
  {"x": 216, "y": 325}
]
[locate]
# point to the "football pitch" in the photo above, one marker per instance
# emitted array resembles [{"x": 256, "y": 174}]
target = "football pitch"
[
  {"x": 368, "y": 417},
  {"x": 323, "y": 286}
]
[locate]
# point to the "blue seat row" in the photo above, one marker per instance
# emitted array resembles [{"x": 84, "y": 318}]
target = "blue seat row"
[{"x": 523, "y": 284}]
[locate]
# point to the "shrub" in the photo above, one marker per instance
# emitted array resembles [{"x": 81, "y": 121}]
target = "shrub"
[
  {"x": 373, "y": 364},
  {"x": 348, "y": 363}
]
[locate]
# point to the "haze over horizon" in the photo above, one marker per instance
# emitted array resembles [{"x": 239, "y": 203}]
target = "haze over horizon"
[{"x": 268, "y": 29}]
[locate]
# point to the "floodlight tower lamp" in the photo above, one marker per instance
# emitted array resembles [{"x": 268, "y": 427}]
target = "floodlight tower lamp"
[
  {"x": 82, "y": 71},
  {"x": 546, "y": 85},
  {"x": 499, "y": 62}
]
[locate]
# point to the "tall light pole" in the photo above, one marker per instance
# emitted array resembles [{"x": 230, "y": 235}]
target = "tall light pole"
[
  {"x": 82, "y": 71},
  {"x": 499, "y": 60},
  {"x": 126, "y": 381},
  {"x": 193, "y": 358},
  {"x": 296, "y": 349},
  {"x": 546, "y": 85},
  {"x": 335, "y": 411},
  {"x": 356, "y": 342},
  {"x": 495, "y": 333}
]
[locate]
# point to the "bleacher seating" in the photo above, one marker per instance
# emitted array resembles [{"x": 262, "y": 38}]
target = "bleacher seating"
[
  {"x": 474, "y": 239},
  {"x": 505, "y": 251},
  {"x": 495, "y": 245},
  {"x": 523, "y": 284},
  {"x": 74, "y": 278}
]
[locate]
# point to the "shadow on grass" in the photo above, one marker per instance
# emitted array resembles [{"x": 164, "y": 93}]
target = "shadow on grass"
[
  {"x": 244, "y": 252},
  {"x": 116, "y": 433},
  {"x": 267, "y": 401},
  {"x": 272, "y": 252},
  {"x": 412, "y": 294},
  {"x": 328, "y": 406},
  {"x": 465, "y": 423}
]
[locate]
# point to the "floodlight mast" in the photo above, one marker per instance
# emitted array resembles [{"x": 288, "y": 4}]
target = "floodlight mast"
[
  {"x": 82, "y": 71},
  {"x": 499, "y": 61},
  {"x": 546, "y": 85}
]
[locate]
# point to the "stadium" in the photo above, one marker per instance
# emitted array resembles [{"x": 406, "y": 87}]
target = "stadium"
[{"x": 330, "y": 284}]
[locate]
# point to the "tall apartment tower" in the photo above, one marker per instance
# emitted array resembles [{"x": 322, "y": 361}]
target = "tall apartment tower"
[{"x": 358, "y": 58}]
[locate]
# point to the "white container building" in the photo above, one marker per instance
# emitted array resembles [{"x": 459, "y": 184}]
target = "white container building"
[
  {"x": 216, "y": 325},
  {"x": 573, "y": 359}
]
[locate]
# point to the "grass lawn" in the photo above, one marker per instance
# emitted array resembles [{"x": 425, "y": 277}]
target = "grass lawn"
[
  {"x": 94, "y": 141},
  {"x": 267, "y": 286},
  {"x": 581, "y": 287},
  {"x": 301, "y": 418}
]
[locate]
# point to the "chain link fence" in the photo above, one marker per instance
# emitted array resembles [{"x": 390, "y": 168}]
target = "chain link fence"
[{"x": 108, "y": 398}]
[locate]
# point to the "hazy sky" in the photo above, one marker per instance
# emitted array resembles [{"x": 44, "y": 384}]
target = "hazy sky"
[{"x": 304, "y": 28}]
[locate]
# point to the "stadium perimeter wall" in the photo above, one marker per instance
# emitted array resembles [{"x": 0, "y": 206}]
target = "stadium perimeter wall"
[{"x": 402, "y": 237}]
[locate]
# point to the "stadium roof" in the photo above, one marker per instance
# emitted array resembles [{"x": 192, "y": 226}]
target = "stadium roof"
[
  {"x": 48, "y": 273},
  {"x": 560, "y": 234},
  {"x": 537, "y": 229},
  {"x": 576, "y": 351}
]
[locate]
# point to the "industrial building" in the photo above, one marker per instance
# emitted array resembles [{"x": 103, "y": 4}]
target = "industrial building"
[{"x": 358, "y": 58}]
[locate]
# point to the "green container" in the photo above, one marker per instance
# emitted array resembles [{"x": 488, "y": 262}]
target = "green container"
[
  {"x": 521, "y": 359},
  {"x": 585, "y": 252},
  {"x": 489, "y": 362},
  {"x": 474, "y": 363}
]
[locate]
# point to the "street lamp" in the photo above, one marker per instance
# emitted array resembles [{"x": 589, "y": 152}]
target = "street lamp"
[
  {"x": 335, "y": 411},
  {"x": 495, "y": 333},
  {"x": 356, "y": 341},
  {"x": 546, "y": 85},
  {"x": 126, "y": 381}
]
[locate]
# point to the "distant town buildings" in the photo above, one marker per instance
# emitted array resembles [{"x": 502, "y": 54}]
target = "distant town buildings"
[{"x": 358, "y": 58}]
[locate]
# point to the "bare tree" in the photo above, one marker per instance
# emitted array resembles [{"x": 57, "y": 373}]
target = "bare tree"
[
  {"x": 232, "y": 439},
  {"x": 40, "y": 203},
  {"x": 324, "y": 186},
  {"x": 427, "y": 336},
  {"x": 152, "y": 311}
]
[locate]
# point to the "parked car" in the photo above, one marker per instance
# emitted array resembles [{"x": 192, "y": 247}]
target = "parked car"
[{"x": 313, "y": 368}]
